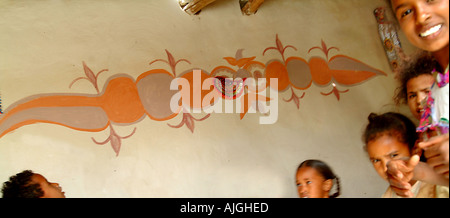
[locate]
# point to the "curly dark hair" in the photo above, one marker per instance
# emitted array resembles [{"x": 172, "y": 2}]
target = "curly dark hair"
[
  {"x": 423, "y": 64},
  {"x": 22, "y": 186},
  {"x": 325, "y": 171}
]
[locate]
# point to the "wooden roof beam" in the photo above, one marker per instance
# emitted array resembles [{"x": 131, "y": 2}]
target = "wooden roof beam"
[
  {"x": 249, "y": 7},
  {"x": 194, "y": 6}
]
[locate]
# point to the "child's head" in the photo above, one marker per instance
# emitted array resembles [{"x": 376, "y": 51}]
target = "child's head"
[
  {"x": 416, "y": 79},
  {"x": 424, "y": 22},
  {"x": 387, "y": 137},
  {"x": 315, "y": 179},
  {"x": 30, "y": 185}
]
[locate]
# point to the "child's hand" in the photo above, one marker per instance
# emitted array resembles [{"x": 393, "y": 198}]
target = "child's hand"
[
  {"x": 400, "y": 172},
  {"x": 436, "y": 152}
]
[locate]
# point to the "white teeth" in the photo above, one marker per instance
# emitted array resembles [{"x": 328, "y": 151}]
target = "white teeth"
[{"x": 431, "y": 31}]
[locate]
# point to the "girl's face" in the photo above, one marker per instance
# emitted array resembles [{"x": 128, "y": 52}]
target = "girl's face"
[
  {"x": 384, "y": 149},
  {"x": 311, "y": 184},
  {"x": 424, "y": 22},
  {"x": 417, "y": 89}
]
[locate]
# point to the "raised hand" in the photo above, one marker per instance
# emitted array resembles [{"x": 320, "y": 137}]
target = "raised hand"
[
  {"x": 436, "y": 152},
  {"x": 400, "y": 172}
]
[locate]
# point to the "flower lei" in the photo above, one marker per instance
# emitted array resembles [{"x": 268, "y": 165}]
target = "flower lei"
[{"x": 426, "y": 121}]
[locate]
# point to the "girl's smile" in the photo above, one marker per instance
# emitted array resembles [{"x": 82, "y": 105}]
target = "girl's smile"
[
  {"x": 433, "y": 31},
  {"x": 424, "y": 22}
]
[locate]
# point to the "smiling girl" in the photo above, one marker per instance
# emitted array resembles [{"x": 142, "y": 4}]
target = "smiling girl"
[{"x": 425, "y": 24}]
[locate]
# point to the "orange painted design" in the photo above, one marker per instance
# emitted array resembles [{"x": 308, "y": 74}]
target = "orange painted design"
[
  {"x": 53, "y": 101},
  {"x": 278, "y": 71},
  {"x": 126, "y": 101},
  {"x": 121, "y": 101},
  {"x": 155, "y": 71},
  {"x": 320, "y": 71},
  {"x": 358, "y": 72},
  {"x": 34, "y": 121}
]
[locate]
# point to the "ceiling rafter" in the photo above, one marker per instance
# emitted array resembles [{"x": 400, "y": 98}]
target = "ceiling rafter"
[
  {"x": 249, "y": 7},
  {"x": 193, "y": 7}
]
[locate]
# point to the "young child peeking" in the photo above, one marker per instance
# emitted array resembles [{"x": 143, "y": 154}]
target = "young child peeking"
[
  {"x": 392, "y": 136},
  {"x": 31, "y": 185},
  {"x": 315, "y": 179},
  {"x": 415, "y": 82}
]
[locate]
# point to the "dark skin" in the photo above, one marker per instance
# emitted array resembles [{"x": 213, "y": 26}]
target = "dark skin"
[
  {"x": 50, "y": 189},
  {"x": 310, "y": 184},
  {"x": 426, "y": 25}
]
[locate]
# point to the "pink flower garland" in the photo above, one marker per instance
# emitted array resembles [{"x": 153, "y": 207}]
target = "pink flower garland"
[{"x": 426, "y": 121}]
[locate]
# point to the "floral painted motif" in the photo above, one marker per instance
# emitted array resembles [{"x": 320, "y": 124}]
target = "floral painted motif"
[{"x": 125, "y": 101}]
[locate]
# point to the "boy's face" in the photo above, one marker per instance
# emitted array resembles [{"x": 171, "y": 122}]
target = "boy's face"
[
  {"x": 424, "y": 22},
  {"x": 51, "y": 190},
  {"x": 384, "y": 149},
  {"x": 417, "y": 90}
]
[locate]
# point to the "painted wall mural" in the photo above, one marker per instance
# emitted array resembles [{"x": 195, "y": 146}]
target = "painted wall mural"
[{"x": 126, "y": 101}]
